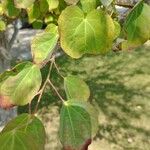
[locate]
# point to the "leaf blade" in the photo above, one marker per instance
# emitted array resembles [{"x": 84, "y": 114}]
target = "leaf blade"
[
  {"x": 19, "y": 85},
  {"x": 77, "y": 30},
  {"x": 76, "y": 88}
]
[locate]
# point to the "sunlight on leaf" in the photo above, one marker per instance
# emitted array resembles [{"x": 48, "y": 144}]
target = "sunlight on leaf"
[
  {"x": 77, "y": 30},
  {"x": 19, "y": 85},
  {"x": 44, "y": 43},
  {"x": 76, "y": 88},
  {"x": 137, "y": 26}
]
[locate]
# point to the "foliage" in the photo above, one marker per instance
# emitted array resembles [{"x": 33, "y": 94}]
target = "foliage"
[
  {"x": 25, "y": 131},
  {"x": 83, "y": 27}
]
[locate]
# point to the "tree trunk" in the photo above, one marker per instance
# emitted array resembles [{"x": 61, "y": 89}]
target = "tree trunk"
[{"x": 4, "y": 52}]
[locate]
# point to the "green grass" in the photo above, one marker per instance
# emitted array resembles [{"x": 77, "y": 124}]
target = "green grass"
[{"x": 120, "y": 85}]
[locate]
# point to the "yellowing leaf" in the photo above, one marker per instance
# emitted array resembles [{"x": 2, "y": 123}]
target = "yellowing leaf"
[
  {"x": 81, "y": 33},
  {"x": 1, "y": 9},
  {"x": 23, "y": 3},
  {"x": 71, "y": 2},
  {"x": 2, "y": 25},
  {"x": 53, "y": 4},
  {"x": 137, "y": 26},
  {"x": 117, "y": 29},
  {"x": 88, "y": 5},
  {"x": 19, "y": 85},
  {"x": 43, "y": 45}
]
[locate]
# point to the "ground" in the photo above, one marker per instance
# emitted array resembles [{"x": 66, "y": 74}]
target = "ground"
[{"x": 120, "y": 85}]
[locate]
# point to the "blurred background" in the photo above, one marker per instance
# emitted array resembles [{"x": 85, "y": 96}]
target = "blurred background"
[{"x": 119, "y": 84}]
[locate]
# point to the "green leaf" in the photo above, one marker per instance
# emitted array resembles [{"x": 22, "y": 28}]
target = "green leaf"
[
  {"x": 9, "y": 8},
  {"x": 137, "y": 26},
  {"x": 23, "y": 3},
  {"x": 33, "y": 12},
  {"x": 17, "y": 140},
  {"x": 43, "y": 45},
  {"x": 43, "y": 7},
  {"x": 88, "y": 5},
  {"x": 92, "y": 111},
  {"x": 52, "y": 28},
  {"x": 26, "y": 130},
  {"x": 75, "y": 127},
  {"x": 62, "y": 5},
  {"x": 49, "y": 18},
  {"x": 76, "y": 88},
  {"x": 106, "y": 3},
  {"x": 117, "y": 29},
  {"x": 77, "y": 30},
  {"x": 2, "y": 25},
  {"x": 38, "y": 24},
  {"x": 72, "y": 2},
  {"x": 19, "y": 85},
  {"x": 1, "y": 9},
  {"x": 28, "y": 125},
  {"x": 53, "y": 4}
]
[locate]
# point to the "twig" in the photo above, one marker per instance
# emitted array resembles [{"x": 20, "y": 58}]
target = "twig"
[
  {"x": 40, "y": 93},
  {"x": 13, "y": 38},
  {"x": 124, "y": 4},
  {"x": 58, "y": 71},
  {"x": 30, "y": 108},
  {"x": 49, "y": 81}
]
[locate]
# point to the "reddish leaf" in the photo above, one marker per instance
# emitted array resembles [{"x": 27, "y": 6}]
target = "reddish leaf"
[
  {"x": 5, "y": 102},
  {"x": 85, "y": 146}
]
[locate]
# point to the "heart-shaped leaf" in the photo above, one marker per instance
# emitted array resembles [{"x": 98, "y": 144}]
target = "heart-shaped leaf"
[
  {"x": 76, "y": 88},
  {"x": 137, "y": 26},
  {"x": 92, "y": 111},
  {"x": 19, "y": 85},
  {"x": 17, "y": 140},
  {"x": 78, "y": 29},
  {"x": 23, "y": 132},
  {"x": 76, "y": 126},
  {"x": 88, "y": 5}
]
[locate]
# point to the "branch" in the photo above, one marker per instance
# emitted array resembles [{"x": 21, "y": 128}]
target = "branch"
[
  {"x": 40, "y": 93},
  {"x": 49, "y": 81},
  {"x": 58, "y": 71},
  {"x": 13, "y": 38},
  {"x": 124, "y": 4}
]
